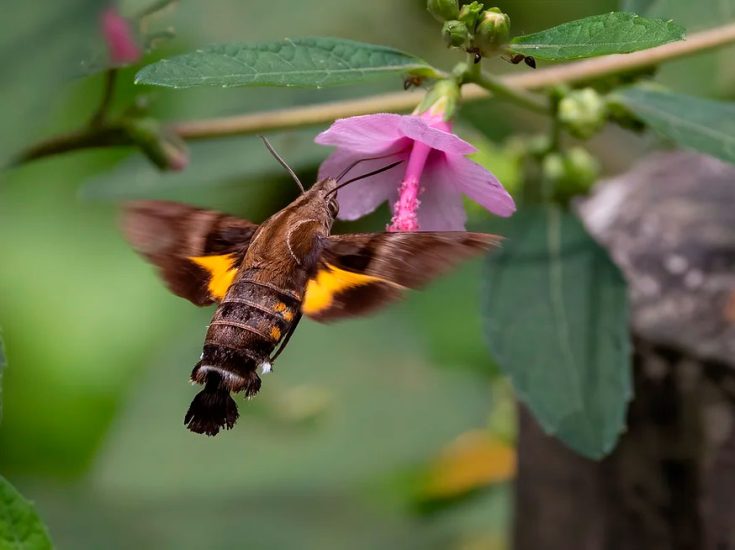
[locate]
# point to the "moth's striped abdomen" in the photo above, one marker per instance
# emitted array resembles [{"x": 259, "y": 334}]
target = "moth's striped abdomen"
[{"x": 248, "y": 324}]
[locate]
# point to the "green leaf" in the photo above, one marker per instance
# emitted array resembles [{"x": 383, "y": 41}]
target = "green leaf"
[
  {"x": 20, "y": 526},
  {"x": 705, "y": 125},
  {"x": 557, "y": 324},
  {"x": 616, "y": 32},
  {"x": 302, "y": 62}
]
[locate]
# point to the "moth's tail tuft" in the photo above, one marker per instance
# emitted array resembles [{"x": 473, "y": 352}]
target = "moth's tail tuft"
[
  {"x": 212, "y": 409},
  {"x": 252, "y": 385}
]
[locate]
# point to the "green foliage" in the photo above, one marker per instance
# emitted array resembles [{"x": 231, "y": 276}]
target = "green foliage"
[
  {"x": 705, "y": 125},
  {"x": 20, "y": 526},
  {"x": 300, "y": 62},
  {"x": 3, "y": 364},
  {"x": 557, "y": 323},
  {"x": 40, "y": 48},
  {"x": 616, "y": 32}
]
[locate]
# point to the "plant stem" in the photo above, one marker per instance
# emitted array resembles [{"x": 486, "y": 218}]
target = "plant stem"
[
  {"x": 555, "y": 123},
  {"x": 472, "y": 69},
  {"x": 99, "y": 116},
  {"x": 86, "y": 138},
  {"x": 508, "y": 87},
  {"x": 502, "y": 91},
  {"x": 473, "y": 74}
]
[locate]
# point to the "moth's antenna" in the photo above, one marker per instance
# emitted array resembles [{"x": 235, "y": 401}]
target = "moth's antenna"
[
  {"x": 363, "y": 176},
  {"x": 282, "y": 162},
  {"x": 358, "y": 161}
]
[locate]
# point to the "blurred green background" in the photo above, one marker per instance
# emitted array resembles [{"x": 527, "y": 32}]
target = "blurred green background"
[{"x": 360, "y": 420}]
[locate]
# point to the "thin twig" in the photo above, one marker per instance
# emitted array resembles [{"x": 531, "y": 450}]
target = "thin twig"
[
  {"x": 86, "y": 138},
  {"x": 99, "y": 116}
]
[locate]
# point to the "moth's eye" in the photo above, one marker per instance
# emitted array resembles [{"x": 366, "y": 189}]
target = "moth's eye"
[{"x": 333, "y": 207}]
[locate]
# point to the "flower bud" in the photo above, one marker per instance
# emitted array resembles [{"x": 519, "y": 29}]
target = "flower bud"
[
  {"x": 443, "y": 10},
  {"x": 583, "y": 112},
  {"x": 164, "y": 148},
  {"x": 441, "y": 100},
  {"x": 120, "y": 38},
  {"x": 570, "y": 173},
  {"x": 553, "y": 168},
  {"x": 470, "y": 14},
  {"x": 492, "y": 31},
  {"x": 455, "y": 33},
  {"x": 538, "y": 145}
]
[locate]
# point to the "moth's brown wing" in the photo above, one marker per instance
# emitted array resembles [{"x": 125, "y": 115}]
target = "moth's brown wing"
[
  {"x": 197, "y": 251},
  {"x": 360, "y": 273}
]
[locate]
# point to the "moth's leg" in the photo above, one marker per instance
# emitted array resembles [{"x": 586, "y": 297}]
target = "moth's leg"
[{"x": 285, "y": 340}]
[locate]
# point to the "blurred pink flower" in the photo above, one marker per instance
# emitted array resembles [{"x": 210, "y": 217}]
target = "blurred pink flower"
[
  {"x": 119, "y": 38},
  {"x": 429, "y": 196}
]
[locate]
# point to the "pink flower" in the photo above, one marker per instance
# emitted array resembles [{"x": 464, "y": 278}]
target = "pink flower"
[
  {"x": 429, "y": 196},
  {"x": 119, "y": 38}
]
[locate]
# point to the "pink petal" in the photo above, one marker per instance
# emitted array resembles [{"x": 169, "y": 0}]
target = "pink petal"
[
  {"x": 418, "y": 129},
  {"x": 480, "y": 185},
  {"x": 362, "y": 197},
  {"x": 441, "y": 206},
  {"x": 367, "y": 134}
]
